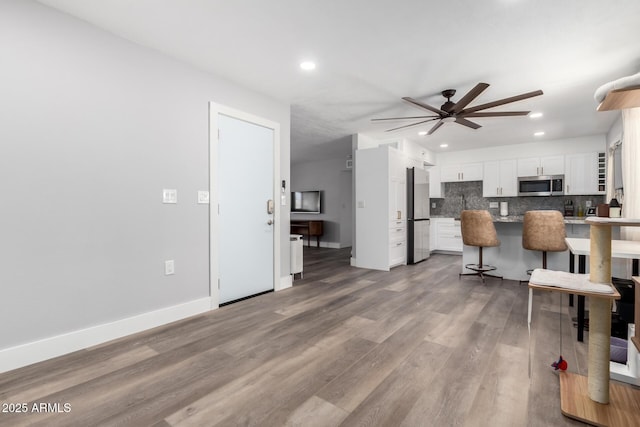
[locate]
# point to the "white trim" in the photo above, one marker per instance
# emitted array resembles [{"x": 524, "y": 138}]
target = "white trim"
[
  {"x": 37, "y": 351},
  {"x": 214, "y": 111},
  {"x": 285, "y": 282},
  {"x": 331, "y": 245}
]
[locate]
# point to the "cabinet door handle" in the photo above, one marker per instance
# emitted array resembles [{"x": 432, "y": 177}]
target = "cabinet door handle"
[{"x": 399, "y": 244}]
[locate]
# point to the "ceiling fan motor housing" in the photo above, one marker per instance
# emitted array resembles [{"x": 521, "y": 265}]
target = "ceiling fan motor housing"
[{"x": 448, "y": 106}]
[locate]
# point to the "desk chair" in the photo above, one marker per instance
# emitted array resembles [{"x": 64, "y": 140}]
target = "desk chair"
[{"x": 478, "y": 230}]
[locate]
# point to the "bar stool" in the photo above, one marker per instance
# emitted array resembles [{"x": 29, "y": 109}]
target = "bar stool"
[
  {"x": 478, "y": 230},
  {"x": 543, "y": 231}
]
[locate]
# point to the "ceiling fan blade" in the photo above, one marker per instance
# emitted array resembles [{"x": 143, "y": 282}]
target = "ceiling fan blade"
[
  {"x": 501, "y": 102},
  {"x": 425, "y": 106},
  {"x": 412, "y": 124},
  {"x": 435, "y": 127},
  {"x": 402, "y": 118},
  {"x": 497, "y": 114},
  {"x": 470, "y": 96},
  {"x": 467, "y": 123}
]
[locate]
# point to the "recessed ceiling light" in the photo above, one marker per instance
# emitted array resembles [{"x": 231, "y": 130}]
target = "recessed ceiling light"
[
  {"x": 423, "y": 133},
  {"x": 540, "y": 133},
  {"x": 444, "y": 145},
  {"x": 308, "y": 65},
  {"x": 535, "y": 115}
]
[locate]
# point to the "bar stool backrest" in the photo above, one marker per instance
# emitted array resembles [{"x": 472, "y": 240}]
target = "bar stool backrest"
[
  {"x": 544, "y": 231},
  {"x": 478, "y": 229}
]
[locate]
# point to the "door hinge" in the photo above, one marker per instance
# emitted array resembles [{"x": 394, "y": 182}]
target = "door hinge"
[{"x": 218, "y": 284}]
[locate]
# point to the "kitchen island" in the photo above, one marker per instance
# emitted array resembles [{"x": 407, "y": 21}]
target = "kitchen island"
[{"x": 511, "y": 259}]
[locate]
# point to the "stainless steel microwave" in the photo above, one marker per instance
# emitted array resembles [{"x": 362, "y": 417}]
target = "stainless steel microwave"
[{"x": 543, "y": 185}]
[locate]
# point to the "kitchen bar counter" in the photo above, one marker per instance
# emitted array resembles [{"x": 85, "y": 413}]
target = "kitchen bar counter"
[
  {"x": 511, "y": 259},
  {"x": 519, "y": 218}
]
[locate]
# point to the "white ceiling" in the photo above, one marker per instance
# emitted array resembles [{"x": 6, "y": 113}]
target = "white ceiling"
[{"x": 370, "y": 53}]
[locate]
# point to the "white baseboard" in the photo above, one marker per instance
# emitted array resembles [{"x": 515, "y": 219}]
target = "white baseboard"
[
  {"x": 37, "y": 351},
  {"x": 285, "y": 282},
  {"x": 330, "y": 245}
]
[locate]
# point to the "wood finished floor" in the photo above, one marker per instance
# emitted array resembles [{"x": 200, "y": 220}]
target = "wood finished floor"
[{"x": 344, "y": 347}]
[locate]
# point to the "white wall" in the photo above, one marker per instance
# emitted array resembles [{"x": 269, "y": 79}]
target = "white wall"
[
  {"x": 331, "y": 176},
  {"x": 615, "y": 132},
  {"x": 92, "y": 128},
  {"x": 583, "y": 144}
]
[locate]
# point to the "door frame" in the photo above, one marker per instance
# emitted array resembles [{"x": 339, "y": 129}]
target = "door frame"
[{"x": 214, "y": 111}]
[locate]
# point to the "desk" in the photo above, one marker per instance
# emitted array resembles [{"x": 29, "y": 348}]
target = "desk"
[
  {"x": 588, "y": 399},
  {"x": 619, "y": 249},
  {"x": 308, "y": 228}
]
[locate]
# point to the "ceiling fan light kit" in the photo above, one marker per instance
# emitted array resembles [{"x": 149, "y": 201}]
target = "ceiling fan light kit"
[{"x": 457, "y": 112}]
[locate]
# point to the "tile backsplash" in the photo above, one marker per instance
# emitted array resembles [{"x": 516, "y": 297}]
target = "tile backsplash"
[{"x": 468, "y": 195}]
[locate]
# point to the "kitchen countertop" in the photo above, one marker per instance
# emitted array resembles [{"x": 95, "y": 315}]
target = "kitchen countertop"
[{"x": 520, "y": 218}]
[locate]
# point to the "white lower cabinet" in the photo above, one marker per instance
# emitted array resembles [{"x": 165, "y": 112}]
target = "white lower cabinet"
[
  {"x": 448, "y": 234},
  {"x": 397, "y": 243}
]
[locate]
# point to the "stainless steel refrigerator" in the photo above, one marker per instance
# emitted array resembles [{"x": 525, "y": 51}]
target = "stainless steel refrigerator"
[{"x": 417, "y": 215}]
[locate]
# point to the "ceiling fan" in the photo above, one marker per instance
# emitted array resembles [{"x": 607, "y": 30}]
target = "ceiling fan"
[{"x": 456, "y": 112}]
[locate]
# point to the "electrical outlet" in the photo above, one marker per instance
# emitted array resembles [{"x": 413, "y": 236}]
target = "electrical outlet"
[
  {"x": 169, "y": 267},
  {"x": 493, "y": 205},
  {"x": 433, "y": 205},
  {"x": 588, "y": 203},
  {"x": 169, "y": 196}
]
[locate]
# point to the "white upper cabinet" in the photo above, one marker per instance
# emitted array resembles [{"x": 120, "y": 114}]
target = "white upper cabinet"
[
  {"x": 534, "y": 166},
  {"x": 461, "y": 172},
  {"x": 581, "y": 174},
  {"x": 500, "y": 179},
  {"x": 435, "y": 185},
  {"x": 397, "y": 186}
]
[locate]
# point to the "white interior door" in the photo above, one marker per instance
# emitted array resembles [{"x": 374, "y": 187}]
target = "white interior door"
[{"x": 245, "y": 196}]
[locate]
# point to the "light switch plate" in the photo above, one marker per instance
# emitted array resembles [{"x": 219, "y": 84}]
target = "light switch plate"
[
  {"x": 169, "y": 196},
  {"x": 203, "y": 197},
  {"x": 169, "y": 267}
]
